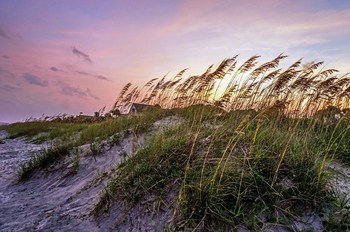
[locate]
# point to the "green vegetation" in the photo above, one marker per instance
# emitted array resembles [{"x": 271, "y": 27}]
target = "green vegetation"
[
  {"x": 267, "y": 156},
  {"x": 256, "y": 152},
  {"x": 151, "y": 168},
  {"x": 40, "y": 131},
  {"x": 239, "y": 165},
  {"x": 79, "y": 134},
  {"x": 227, "y": 168},
  {"x": 43, "y": 160},
  {"x": 75, "y": 161},
  {"x": 300, "y": 90},
  {"x": 139, "y": 123}
]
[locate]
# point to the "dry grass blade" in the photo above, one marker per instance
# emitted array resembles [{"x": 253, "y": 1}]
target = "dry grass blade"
[
  {"x": 298, "y": 84},
  {"x": 122, "y": 92}
]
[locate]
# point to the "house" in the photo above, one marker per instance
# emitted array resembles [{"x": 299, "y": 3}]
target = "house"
[{"x": 138, "y": 107}]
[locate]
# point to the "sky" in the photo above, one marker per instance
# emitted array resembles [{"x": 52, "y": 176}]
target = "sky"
[{"x": 71, "y": 56}]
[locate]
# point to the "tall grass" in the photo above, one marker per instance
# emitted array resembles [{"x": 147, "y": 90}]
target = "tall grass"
[
  {"x": 233, "y": 168},
  {"x": 253, "y": 147},
  {"x": 301, "y": 89},
  {"x": 252, "y": 151}
]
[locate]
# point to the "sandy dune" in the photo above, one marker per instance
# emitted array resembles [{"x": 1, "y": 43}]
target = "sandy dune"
[{"x": 60, "y": 199}]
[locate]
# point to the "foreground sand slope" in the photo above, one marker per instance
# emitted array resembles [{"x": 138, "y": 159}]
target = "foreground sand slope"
[{"x": 61, "y": 198}]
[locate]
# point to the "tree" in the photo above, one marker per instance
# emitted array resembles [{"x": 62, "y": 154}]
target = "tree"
[{"x": 115, "y": 112}]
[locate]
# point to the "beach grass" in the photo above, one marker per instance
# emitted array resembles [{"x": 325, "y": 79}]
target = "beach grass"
[
  {"x": 41, "y": 131},
  {"x": 44, "y": 159},
  {"x": 228, "y": 168},
  {"x": 255, "y": 151}
]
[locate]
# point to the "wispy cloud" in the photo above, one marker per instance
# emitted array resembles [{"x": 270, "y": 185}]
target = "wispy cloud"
[
  {"x": 5, "y": 57},
  {"x": 84, "y": 73},
  {"x": 35, "y": 80},
  {"x": 90, "y": 94},
  {"x": 8, "y": 88},
  {"x": 54, "y": 69},
  {"x": 81, "y": 55},
  {"x": 100, "y": 77},
  {"x": 69, "y": 90}
]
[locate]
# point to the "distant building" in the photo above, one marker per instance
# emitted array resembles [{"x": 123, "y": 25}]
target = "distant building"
[{"x": 138, "y": 107}]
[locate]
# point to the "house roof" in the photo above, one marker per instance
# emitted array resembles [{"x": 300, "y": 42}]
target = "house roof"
[{"x": 139, "y": 107}]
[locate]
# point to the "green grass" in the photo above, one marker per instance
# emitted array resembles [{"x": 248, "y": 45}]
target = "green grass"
[
  {"x": 43, "y": 160},
  {"x": 260, "y": 155},
  {"x": 151, "y": 168},
  {"x": 43, "y": 131},
  {"x": 139, "y": 123},
  {"x": 78, "y": 134},
  {"x": 257, "y": 164},
  {"x": 75, "y": 160},
  {"x": 226, "y": 168}
]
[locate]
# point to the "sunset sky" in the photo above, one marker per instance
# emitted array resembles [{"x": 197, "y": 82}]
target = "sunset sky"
[{"x": 70, "y": 56}]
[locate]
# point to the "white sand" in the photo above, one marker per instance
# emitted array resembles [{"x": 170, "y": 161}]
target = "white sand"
[{"x": 60, "y": 200}]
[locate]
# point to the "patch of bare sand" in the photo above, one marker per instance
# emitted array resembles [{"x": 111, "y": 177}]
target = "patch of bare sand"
[
  {"x": 341, "y": 180},
  {"x": 61, "y": 198}
]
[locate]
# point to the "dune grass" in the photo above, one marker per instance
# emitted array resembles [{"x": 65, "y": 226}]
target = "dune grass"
[
  {"x": 258, "y": 144},
  {"x": 226, "y": 168},
  {"x": 70, "y": 136},
  {"x": 301, "y": 89},
  {"x": 137, "y": 123},
  {"x": 41, "y": 131},
  {"x": 151, "y": 168},
  {"x": 252, "y": 152},
  {"x": 43, "y": 160},
  {"x": 235, "y": 168}
]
